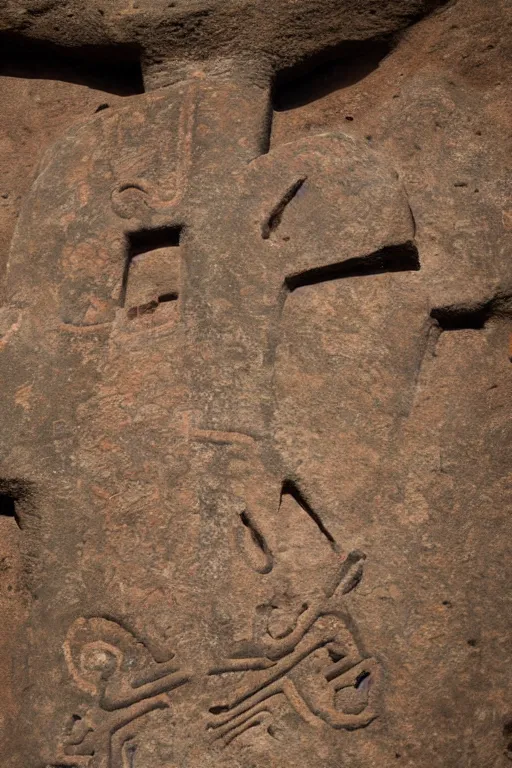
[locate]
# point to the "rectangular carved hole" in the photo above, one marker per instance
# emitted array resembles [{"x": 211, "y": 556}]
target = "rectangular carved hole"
[
  {"x": 146, "y": 240},
  {"x": 392, "y": 258},
  {"x": 139, "y": 245}
]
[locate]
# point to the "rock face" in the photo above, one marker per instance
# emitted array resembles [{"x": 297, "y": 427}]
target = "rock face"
[{"x": 255, "y": 369}]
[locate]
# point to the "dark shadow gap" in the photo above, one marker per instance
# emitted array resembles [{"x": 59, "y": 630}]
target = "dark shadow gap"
[
  {"x": 276, "y": 214},
  {"x": 364, "y": 676},
  {"x": 8, "y": 507},
  {"x": 144, "y": 241},
  {"x": 392, "y": 258},
  {"x": 333, "y": 69},
  {"x": 11, "y": 492},
  {"x": 114, "y": 69},
  {"x": 289, "y": 488},
  {"x": 165, "y": 297},
  {"x": 462, "y": 318},
  {"x": 258, "y": 540},
  {"x": 266, "y": 130},
  {"x": 343, "y": 64},
  {"x": 151, "y": 306}
]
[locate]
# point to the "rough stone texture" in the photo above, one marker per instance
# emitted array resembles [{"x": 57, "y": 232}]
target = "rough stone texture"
[{"x": 255, "y": 381}]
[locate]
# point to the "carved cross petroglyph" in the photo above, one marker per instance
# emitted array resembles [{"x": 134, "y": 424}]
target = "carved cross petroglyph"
[
  {"x": 165, "y": 239},
  {"x": 228, "y": 236}
]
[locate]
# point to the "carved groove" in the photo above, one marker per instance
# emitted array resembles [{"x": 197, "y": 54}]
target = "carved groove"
[
  {"x": 392, "y": 258},
  {"x": 290, "y": 488},
  {"x": 257, "y": 540},
  {"x": 276, "y": 214}
]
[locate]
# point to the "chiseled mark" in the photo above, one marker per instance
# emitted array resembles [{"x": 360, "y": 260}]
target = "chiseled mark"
[
  {"x": 221, "y": 438},
  {"x": 261, "y": 716},
  {"x": 150, "y": 307},
  {"x": 254, "y": 545},
  {"x": 276, "y": 214},
  {"x": 84, "y": 329},
  {"x": 23, "y": 396},
  {"x": 192, "y": 432},
  {"x": 299, "y": 705},
  {"x": 290, "y": 489},
  {"x": 413, "y": 220},
  {"x": 148, "y": 193},
  {"x": 5, "y": 336},
  {"x": 229, "y": 717}
]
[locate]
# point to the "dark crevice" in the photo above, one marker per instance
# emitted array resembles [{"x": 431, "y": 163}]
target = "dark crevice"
[
  {"x": 165, "y": 297},
  {"x": 113, "y": 69},
  {"x": 11, "y": 493},
  {"x": 266, "y": 131},
  {"x": 343, "y": 64},
  {"x": 361, "y": 679},
  {"x": 290, "y": 489},
  {"x": 507, "y": 735},
  {"x": 473, "y": 317},
  {"x": 151, "y": 306},
  {"x": 219, "y": 710},
  {"x": 258, "y": 540},
  {"x": 462, "y": 318},
  {"x": 276, "y": 214},
  {"x": 8, "y": 507},
  {"x": 339, "y": 67},
  {"x": 392, "y": 258},
  {"x": 144, "y": 241}
]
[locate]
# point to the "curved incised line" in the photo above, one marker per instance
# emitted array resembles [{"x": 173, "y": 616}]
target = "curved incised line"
[{"x": 184, "y": 154}]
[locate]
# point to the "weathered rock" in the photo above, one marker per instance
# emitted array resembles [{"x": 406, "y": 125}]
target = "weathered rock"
[{"x": 255, "y": 382}]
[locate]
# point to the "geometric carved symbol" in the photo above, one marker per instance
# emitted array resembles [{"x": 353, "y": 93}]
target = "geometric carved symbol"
[
  {"x": 315, "y": 665},
  {"x": 309, "y": 665},
  {"x": 107, "y": 662}
]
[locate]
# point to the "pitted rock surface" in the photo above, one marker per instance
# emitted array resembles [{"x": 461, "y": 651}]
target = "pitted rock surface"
[{"x": 255, "y": 366}]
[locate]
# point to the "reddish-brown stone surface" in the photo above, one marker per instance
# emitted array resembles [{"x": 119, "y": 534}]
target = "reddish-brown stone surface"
[{"x": 255, "y": 463}]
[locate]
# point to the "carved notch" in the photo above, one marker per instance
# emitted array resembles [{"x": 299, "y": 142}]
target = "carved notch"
[{"x": 151, "y": 275}]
